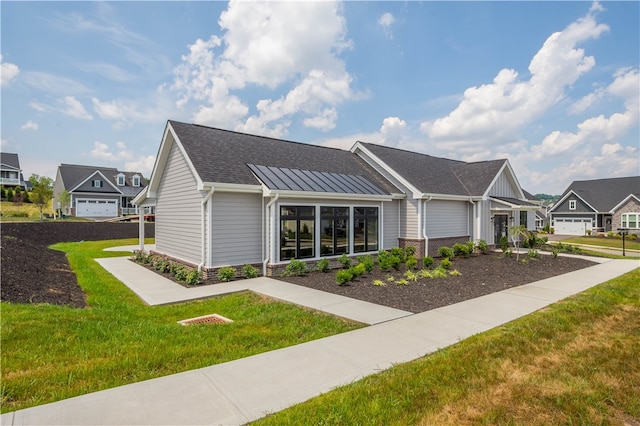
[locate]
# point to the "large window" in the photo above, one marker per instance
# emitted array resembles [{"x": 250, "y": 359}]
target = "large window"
[
  {"x": 631, "y": 220},
  {"x": 365, "y": 229},
  {"x": 297, "y": 232},
  {"x": 334, "y": 230},
  {"x": 523, "y": 217}
]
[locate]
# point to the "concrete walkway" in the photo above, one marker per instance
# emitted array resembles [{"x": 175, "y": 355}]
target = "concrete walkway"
[{"x": 244, "y": 390}]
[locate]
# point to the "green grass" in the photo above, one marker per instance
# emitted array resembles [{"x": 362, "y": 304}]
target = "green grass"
[
  {"x": 575, "y": 362},
  {"x": 605, "y": 242},
  {"x": 52, "y": 352}
]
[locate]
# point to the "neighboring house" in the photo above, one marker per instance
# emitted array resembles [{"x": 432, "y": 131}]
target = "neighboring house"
[
  {"x": 599, "y": 205},
  {"x": 227, "y": 198},
  {"x": 97, "y": 191},
  {"x": 10, "y": 171}
]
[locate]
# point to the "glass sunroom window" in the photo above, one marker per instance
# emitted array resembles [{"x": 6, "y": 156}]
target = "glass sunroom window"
[
  {"x": 334, "y": 230},
  {"x": 365, "y": 229},
  {"x": 297, "y": 230}
]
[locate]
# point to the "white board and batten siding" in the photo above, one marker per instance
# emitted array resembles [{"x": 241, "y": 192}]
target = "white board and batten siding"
[
  {"x": 237, "y": 228},
  {"x": 446, "y": 218},
  {"x": 178, "y": 211},
  {"x": 503, "y": 187}
]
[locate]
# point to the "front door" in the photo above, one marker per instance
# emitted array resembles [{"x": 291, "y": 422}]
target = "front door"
[{"x": 500, "y": 227}]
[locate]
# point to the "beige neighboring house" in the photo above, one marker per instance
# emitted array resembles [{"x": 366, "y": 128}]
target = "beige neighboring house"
[{"x": 97, "y": 192}]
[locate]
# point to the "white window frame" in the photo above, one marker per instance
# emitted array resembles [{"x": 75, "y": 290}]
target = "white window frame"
[
  {"x": 97, "y": 183},
  {"x": 120, "y": 180},
  {"x": 624, "y": 220},
  {"x": 136, "y": 180},
  {"x": 572, "y": 204}
]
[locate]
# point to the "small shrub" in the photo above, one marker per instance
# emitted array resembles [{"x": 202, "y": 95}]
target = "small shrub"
[
  {"x": 226, "y": 273},
  {"x": 454, "y": 273},
  {"x": 427, "y": 261},
  {"x": 345, "y": 261},
  {"x": 446, "y": 263},
  {"x": 322, "y": 265},
  {"x": 194, "y": 277},
  {"x": 483, "y": 246},
  {"x": 610, "y": 234},
  {"x": 504, "y": 243},
  {"x": 423, "y": 273},
  {"x": 412, "y": 262},
  {"x": 410, "y": 251},
  {"x": 343, "y": 276},
  {"x": 357, "y": 270},
  {"x": 367, "y": 261},
  {"x": 411, "y": 276},
  {"x": 507, "y": 253},
  {"x": 390, "y": 278},
  {"x": 439, "y": 272},
  {"x": 446, "y": 252},
  {"x": 554, "y": 254},
  {"x": 181, "y": 272},
  {"x": 533, "y": 254},
  {"x": 461, "y": 250},
  {"x": 384, "y": 260},
  {"x": 633, "y": 236},
  {"x": 250, "y": 271},
  {"x": 524, "y": 260},
  {"x": 379, "y": 283},
  {"x": 295, "y": 268},
  {"x": 402, "y": 282},
  {"x": 399, "y": 253}
]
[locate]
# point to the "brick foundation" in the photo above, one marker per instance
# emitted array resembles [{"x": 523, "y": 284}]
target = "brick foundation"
[
  {"x": 435, "y": 243},
  {"x": 418, "y": 243}
]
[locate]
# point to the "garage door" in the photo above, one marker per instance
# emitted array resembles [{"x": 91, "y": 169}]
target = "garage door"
[
  {"x": 97, "y": 208},
  {"x": 571, "y": 226}
]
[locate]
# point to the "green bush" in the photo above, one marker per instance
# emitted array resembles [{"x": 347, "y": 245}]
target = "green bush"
[
  {"x": 504, "y": 243},
  {"x": 507, "y": 253},
  {"x": 295, "y": 268},
  {"x": 446, "y": 252},
  {"x": 250, "y": 271},
  {"x": 399, "y": 253},
  {"x": 462, "y": 250},
  {"x": 345, "y": 261},
  {"x": 409, "y": 251},
  {"x": 387, "y": 260},
  {"x": 427, "y": 261},
  {"x": 193, "y": 277},
  {"x": 367, "y": 261},
  {"x": 343, "y": 276},
  {"x": 322, "y": 265},
  {"x": 533, "y": 254},
  {"x": 483, "y": 246},
  {"x": 357, "y": 270},
  {"x": 412, "y": 262},
  {"x": 445, "y": 263},
  {"x": 439, "y": 272},
  {"x": 226, "y": 273}
]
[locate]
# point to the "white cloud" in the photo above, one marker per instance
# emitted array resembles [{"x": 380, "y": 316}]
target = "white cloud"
[
  {"x": 289, "y": 49},
  {"x": 386, "y": 21},
  {"x": 74, "y": 108},
  {"x": 53, "y": 84},
  {"x": 143, "y": 164},
  {"x": 30, "y": 125},
  {"x": 494, "y": 113},
  {"x": 123, "y": 155},
  {"x": 8, "y": 72},
  {"x": 127, "y": 112},
  {"x": 392, "y": 130}
]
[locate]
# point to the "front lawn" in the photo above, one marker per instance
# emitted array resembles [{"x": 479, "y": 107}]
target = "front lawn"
[
  {"x": 52, "y": 352},
  {"x": 610, "y": 242},
  {"x": 575, "y": 362}
]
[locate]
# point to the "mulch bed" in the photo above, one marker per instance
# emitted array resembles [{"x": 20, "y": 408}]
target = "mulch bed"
[
  {"x": 33, "y": 273},
  {"x": 479, "y": 275}
]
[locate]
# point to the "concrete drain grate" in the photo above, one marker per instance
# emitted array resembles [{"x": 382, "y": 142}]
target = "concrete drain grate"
[{"x": 206, "y": 319}]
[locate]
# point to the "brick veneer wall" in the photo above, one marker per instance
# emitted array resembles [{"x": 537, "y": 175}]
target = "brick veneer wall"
[
  {"x": 435, "y": 243},
  {"x": 632, "y": 206},
  {"x": 418, "y": 243}
]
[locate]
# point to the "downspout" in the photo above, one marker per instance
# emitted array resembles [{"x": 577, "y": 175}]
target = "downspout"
[
  {"x": 271, "y": 233},
  {"x": 474, "y": 221},
  {"x": 424, "y": 227},
  {"x": 203, "y": 247}
]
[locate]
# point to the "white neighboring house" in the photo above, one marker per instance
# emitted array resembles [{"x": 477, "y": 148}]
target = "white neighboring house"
[
  {"x": 10, "y": 171},
  {"x": 97, "y": 192},
  {"x": 228, "y": 198}
]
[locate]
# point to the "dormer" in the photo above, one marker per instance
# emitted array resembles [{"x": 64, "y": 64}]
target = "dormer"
[
  {"x": 135, "y": 180},
  {"x": 120, "y": 179}
]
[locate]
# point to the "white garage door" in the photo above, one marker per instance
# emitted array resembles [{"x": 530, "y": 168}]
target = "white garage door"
[
  {"x": 571, "y": 226},
  {"x": 97, "y": 208}
]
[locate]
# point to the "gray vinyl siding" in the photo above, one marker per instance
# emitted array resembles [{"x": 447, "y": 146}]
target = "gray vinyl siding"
[
  {"x": 581, "y": 207},
  {"x": 503, "y": 187},
  {"x": 178, "y": 211},
  {"x": 237, "y": 228},
  {"x": 88, "y": 185},
  {"x": 391, "y": 229},
  {"x": 447, "y": 218}
]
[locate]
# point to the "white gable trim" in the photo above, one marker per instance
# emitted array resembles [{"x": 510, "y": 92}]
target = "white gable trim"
[
  {"x": 97, "y": 172},
  {"x": 9, "y": 167},
  {"x": 506, "y": 167},
  {"x": 623, "y": 202},
  {"x": 168, "y": 139},
  {"x": 359, "y": 147},
  {"x": 562, "y": 200}
]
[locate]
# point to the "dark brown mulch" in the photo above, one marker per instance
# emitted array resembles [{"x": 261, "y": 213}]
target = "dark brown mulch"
[
  {"x": 479, "y": 275},
  {"x": 33, "y": 273}
]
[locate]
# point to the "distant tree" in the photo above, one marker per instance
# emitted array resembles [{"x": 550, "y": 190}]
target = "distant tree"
[
  {"x": 64, "y": 198},
  {"x": 42, "y": 191},
  {"x": 25, "y": 197},
  {"x": 3, "y": 194},
  {"x": 9, "y": 194}
]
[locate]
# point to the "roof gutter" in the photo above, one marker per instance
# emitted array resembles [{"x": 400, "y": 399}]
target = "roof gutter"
[{"x": 203, "y": 248}]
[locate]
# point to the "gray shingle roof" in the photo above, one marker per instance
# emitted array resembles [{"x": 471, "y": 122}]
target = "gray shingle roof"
[
  {"x": 435, "y": 175},
  {"x": 74, "y": 174},
  {"x": 221, "y": 156},
  {"x": 10, "y": 159},
  {"x": 605, "y": 194}
]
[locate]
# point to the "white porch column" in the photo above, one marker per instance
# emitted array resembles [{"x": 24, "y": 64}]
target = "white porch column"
[{"x": 141, "y": 228}]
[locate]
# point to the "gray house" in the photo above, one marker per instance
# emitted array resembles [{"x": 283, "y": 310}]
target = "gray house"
[
  {"x": 599, "y": 205},
  {"x": 97, "y": 191},
  {"x": 227, "y": 198},
  {"x": 10, "y": 171}
]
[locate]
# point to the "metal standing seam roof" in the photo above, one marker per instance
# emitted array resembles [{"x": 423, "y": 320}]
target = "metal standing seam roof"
[{"x": 283, "y": 178}]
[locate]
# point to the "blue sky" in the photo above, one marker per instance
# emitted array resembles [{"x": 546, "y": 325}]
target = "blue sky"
[{"x": 552, "y": 86}]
